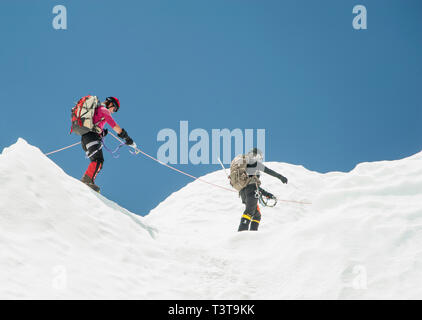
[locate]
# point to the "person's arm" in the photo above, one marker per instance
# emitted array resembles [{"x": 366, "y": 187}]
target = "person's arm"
[
  {"x": 123, "y": 134},
  {"x": 117, "y": 129},
  {"x": 275, "y": 174},
  {"x": 266, "y": 193},
  {"x": 120, "y": 131}
]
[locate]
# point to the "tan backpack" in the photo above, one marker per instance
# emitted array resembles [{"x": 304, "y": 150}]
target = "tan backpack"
[{"x": 238, "y": 175}]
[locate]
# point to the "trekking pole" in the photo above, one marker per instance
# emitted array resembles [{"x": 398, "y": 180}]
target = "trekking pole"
[{"x": 223, "y": 167}]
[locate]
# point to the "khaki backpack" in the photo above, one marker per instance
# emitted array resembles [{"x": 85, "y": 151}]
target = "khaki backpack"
[{"x": 239, "y": 177}]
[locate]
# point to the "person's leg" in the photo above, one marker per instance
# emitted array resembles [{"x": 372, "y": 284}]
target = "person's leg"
[
  {"x": 91, "y": 143},
  {"x": 249, "y": 199},
  {"x": 93, "y": 169},
  {"x": 244, "y": 222},
  {"x": 256, "y": 219}
]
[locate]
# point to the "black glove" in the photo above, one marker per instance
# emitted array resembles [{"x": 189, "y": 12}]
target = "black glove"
[
  {"x": 104, "y": 133},
  {"x": 266, "y": 194},
  {"x": 129, "y": 141},
  {"x": 283, "y": 179},
  {"x": 125, "y": 136}
]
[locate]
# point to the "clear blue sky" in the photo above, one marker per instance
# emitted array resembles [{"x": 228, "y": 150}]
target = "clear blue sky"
[{"x": 328, "y": 96}]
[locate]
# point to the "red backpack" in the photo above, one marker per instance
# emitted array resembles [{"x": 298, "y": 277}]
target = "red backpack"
[{"x": 83, "y": 114}]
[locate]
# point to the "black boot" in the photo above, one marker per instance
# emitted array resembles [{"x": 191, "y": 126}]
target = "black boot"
[
  {"x": 254, "y": 225},
  {"x": 256, "y": 219},
  {"x": 88, "y": 181},
  {"x": 244, "y": 223}
]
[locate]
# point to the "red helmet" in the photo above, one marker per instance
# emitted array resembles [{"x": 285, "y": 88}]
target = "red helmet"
[{"x": 114, "y": 101}]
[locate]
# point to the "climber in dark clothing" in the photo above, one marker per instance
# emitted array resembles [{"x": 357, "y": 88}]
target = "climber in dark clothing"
[{"x": 250, "y": 194}]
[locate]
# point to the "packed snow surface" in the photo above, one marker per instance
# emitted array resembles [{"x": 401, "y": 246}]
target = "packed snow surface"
[{"x": 361, "y": 238}]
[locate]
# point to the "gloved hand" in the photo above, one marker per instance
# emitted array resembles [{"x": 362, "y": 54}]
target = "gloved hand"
[
  {"x": 129, "y": 141},
  {"x": 125, "y": 136},
  {"x": 266, "y": 194},
  {"x": 283, "y": 179},
  {"x": 104, "y": 133}
]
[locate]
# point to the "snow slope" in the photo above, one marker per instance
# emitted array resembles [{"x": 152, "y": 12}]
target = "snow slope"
[{"x": 360, "y": 239}]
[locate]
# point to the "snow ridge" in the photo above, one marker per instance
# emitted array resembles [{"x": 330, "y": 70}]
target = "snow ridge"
[{"x": 360, "y": 239}]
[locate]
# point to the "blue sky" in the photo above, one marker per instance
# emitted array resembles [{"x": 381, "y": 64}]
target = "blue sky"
[{"x": 328, "y": 96}]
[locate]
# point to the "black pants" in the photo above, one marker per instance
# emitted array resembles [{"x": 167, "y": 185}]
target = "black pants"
[
  {"x": 251, "y": 216},
  {"x": 91, "y": 143}
]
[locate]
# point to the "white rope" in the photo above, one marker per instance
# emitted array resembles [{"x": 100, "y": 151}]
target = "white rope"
[
  {"x": 75, "y": 144},
  {"x": 137, "y": 150},
  {"x": 196, "y": 178}
]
